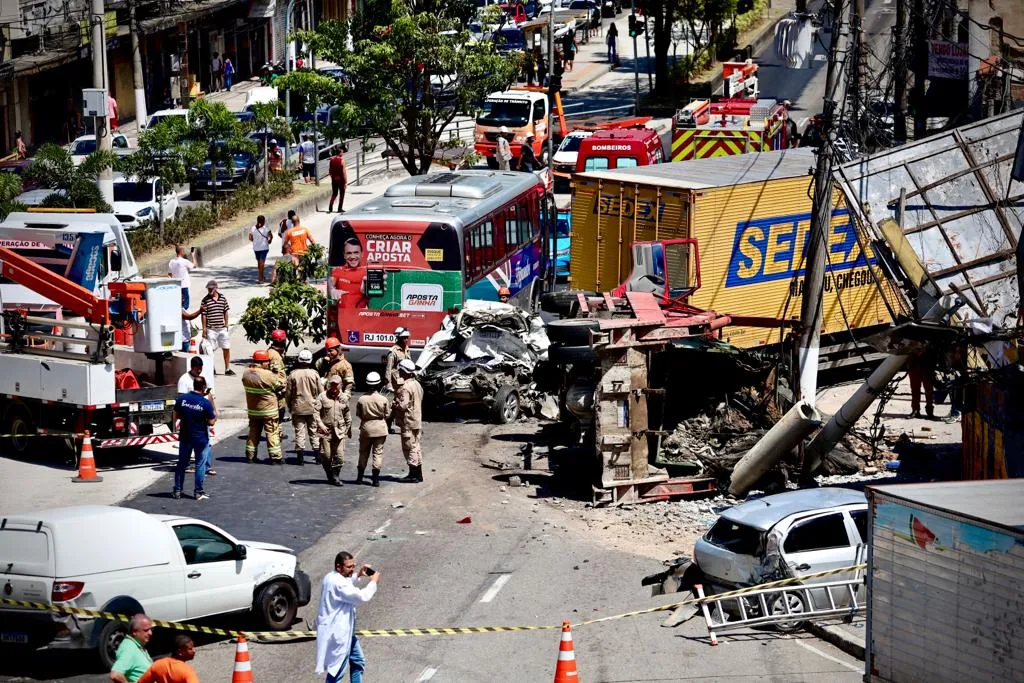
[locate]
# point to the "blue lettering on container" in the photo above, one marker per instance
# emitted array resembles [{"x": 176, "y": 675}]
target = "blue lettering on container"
[{"x": 768, "y": 249}]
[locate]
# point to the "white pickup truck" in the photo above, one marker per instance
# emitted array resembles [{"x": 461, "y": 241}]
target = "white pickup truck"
[{"x": 113, "y": 559}]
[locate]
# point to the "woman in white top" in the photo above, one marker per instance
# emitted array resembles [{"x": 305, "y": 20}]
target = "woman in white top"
[{"x": 261, "y": 236}]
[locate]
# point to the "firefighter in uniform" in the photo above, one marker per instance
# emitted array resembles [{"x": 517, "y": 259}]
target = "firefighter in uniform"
[
  {"x": 396, "y": 354},
  {"x": 504, "y": 294},
  {"x": 372, "y": 410},
  {"x": 407, "y": 411},
  {"x": 278, "y": 341},
  {"x": 262, "y": 389},
  {"x": 334, "y": 364},
  {"x": 303, "y": 387},
  {"x": 333, "y": 422}
]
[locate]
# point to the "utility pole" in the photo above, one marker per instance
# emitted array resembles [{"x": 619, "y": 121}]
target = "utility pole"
[
  {"x": 287, "y": 70},
  {"x": 137, "y": 76},
  {"x": 920, "y": 70},
  {"x": 978, "y": 48},
  {"x": 551, "y": 96},
  {"x": 857, "y": 70},
  {"x": 647, "y": 45},
  {"x": 821, "y": 217},
  {"x": 636, "y": 61},
  {"x": 900, "y": 74},
  {"x": 99, "y": 80}
]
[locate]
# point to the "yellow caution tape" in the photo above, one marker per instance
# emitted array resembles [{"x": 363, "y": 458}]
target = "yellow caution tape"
[{"x": 411, "y": 632}]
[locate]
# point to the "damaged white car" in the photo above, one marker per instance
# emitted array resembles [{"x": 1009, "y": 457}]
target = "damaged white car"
[{"x": 486, "y": 355}]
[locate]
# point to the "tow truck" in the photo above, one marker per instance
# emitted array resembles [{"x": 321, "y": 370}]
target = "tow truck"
[
  {"x": 738, "y": 123},
  {"x": 61, "y": 377}
]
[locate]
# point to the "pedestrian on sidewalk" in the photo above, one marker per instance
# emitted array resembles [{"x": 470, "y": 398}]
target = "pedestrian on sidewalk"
[
  {"x": 196, "y": 414},
  {"x": 214, "y": 311},
  {"x": 179, "y": 268},
  {"x": 132, "y": 660},
  {"x": 185, "y": 385},
  {"x": 407, "y": 413},
  {"x": 337, "y": 646},
  {"x": 229, "y": 73},
  {"x": 542, "y": 67},
  {"x": 302, "y": 390},
  {"x": 19, "y": 145},
  {"x": 262, "y": 387},
  {"x": 284, "y": 225},
  {"x": 278, "y": 346},
  {"x": 298, "y": 238},
  {"x": 216, "y": 73},
  {"x": 922, "y": 375},
  {"x": 612, "y": 40},
  {"x": 307, "y": 150},
  {"x": 372, "y": 410},
  {"x": 334, "y": 423},
  {"x": 530, "y": 67},
  {"x": 503, "y": 151},
  {"x": 174, "y": 669},
  {"x": 569, "y": 48},
  {"x": 339, "y": 178},
  {"x": 261, "y": 236}
]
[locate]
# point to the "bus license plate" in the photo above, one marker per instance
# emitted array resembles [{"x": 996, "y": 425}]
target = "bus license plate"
[
  {"x": 152, "y": 406},
  {"x": 16, "y": 637}
]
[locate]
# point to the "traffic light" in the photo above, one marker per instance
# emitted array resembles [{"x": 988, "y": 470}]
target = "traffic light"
[{"x": 636, "y": 26}]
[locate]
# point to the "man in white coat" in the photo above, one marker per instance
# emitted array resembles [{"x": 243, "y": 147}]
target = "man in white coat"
[{"x": 337, "y": 646}]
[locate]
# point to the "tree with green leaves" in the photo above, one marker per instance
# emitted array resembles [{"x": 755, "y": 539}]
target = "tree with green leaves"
[
  {"x": 160, "y": 156},
  {"x": 216, "y": 135},
  {"x": 74, "y": 187},
  {"x": 703, "y": 22},
  {"x": 10, "y": 188},
  {"x": 267, "y": 120},
  {"x": 396, "y": 72}
]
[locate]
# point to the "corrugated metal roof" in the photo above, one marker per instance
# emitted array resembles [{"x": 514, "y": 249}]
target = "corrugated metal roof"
[
  {"x": 737, "y": 169},
  {"x": 996, "y": 501}
]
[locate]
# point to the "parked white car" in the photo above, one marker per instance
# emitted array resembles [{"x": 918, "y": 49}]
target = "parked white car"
[
  {"x": 138, "y": 201},
  {"x": 85, "y": 145},
  {"x": 125, "y": 561},
  {"x": 165, "y": 114},
  {"x": 569, "y": 150}
]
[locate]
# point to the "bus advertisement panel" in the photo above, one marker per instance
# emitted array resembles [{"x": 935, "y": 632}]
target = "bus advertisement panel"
[{"x": 386, "y": 274}]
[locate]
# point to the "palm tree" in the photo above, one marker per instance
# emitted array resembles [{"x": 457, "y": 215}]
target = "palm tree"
[{"x": 73, "y": 186}]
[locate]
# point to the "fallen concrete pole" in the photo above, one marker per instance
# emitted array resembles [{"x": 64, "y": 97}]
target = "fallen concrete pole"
[
  {"x": 801, "y": 420},
  {"x": 847, "y": 415}
]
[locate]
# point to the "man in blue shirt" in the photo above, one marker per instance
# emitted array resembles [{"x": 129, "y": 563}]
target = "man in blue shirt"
[{"x": 197, "y": 415}]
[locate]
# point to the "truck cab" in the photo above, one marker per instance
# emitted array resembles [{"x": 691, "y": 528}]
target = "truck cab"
[
  {"x": 522, "y": 112},
  {"x": 627, "y": 148}
]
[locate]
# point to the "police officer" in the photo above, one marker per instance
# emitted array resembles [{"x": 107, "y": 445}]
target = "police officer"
[
  {"x": 303, "y": 387},
  {"x": 333, "y": 422},
  {"x": 262, "y": 390},
  {"x": 396, "y": 354},
  {"x": 372, "y": 410},
  {"x": 278, "y": 342},
  {"x": 407, "y": 412}
]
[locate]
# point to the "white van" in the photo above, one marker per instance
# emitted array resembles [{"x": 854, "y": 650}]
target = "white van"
[{"x": 120, "y": 560}]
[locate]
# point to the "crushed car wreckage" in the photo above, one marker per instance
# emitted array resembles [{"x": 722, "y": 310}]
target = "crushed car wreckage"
[{"x": 486, "y": 355}]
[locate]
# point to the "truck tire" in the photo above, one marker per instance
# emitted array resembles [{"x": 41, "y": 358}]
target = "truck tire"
[
  {"x": 572, "y": 331},
  {"x": 111, "y": 635},
  {"x": 277, "y": 605},
  {"x": 570, "y": 355},
  {"x": 505, "y": 407},
  {"x": 18, "y": 421},
  {"x": 561, "y": 302}
]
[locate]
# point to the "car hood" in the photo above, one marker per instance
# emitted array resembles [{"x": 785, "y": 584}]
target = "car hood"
[
  {"x": 566, "y": 157},
  {"x": 271, "y": 547}
]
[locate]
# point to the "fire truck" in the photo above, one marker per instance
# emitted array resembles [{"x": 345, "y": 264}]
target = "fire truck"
[{"x": 740, "y": 122}]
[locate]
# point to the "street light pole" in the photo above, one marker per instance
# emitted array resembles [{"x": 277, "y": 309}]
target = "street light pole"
[
  {"x": 551, "y": 98},
  {"x": 288, "y": 92},
  {"x": 105, "y": 181}
]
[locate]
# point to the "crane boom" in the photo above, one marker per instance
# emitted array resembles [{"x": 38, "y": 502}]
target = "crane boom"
[{"x": 39, "y": 279}]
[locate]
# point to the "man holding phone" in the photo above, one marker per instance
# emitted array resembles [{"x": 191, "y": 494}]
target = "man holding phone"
[{"x": 337, "y": 646}]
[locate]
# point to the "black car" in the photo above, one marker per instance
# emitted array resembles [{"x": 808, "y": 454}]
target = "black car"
[{"x": 245, "y": 168}]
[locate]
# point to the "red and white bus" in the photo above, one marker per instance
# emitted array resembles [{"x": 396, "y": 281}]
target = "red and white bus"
[{"x": 427, "y": 245}]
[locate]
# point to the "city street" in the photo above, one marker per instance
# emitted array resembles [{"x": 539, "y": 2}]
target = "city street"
[{"x": 520, "y": 558}]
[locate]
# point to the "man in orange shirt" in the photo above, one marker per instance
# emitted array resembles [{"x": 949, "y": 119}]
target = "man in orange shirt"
[
  {"x": 174, "y": 669},
  {"x": 298, "y": 238}
]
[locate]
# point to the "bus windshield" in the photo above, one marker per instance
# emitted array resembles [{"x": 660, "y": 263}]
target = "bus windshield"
[{"x": 512, "y": 113}]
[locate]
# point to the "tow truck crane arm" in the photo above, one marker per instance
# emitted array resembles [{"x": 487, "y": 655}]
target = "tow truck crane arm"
[{"x": 69, "y": 295}]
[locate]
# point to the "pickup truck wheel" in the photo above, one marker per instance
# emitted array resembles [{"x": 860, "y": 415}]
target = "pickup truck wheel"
[
  {"x": 505, "y": 407},
  {"x": 572, "y": 331},
  {"x": 278, "y": 605},
  {"x": 110, "y": 638},
  {"x": 20, "y": 426}
]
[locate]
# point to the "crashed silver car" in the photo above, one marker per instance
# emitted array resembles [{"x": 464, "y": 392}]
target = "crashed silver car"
[{"x": 485, "y": 355}]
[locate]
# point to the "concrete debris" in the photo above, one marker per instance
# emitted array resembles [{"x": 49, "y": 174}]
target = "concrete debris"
[{"x": 515, "y": 481}]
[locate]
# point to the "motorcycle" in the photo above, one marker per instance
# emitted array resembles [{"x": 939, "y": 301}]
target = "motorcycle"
[{"x": 271, "y": 71}]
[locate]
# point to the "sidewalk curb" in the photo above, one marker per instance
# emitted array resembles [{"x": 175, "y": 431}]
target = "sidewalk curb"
[
  {"x": 838, "y": 637},
  {"x": 227, "y": 243},
  {"x": 598, "y": 73}
]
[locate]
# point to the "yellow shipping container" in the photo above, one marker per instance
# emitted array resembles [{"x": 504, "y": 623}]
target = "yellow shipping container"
[{"x": 750, "y": 215}]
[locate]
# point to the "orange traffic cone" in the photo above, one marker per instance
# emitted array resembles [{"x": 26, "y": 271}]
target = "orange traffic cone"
[
  {"x": 565, "y": 671},
  {"x": 86, "y": 463},
  {"x": 243, "y": 667}
]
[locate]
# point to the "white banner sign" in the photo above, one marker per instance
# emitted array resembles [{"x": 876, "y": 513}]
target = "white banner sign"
[{"x": 947, "y": 60}]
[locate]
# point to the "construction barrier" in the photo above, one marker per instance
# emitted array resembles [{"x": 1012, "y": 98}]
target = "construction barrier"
[{"x": 411, "y": 632}]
